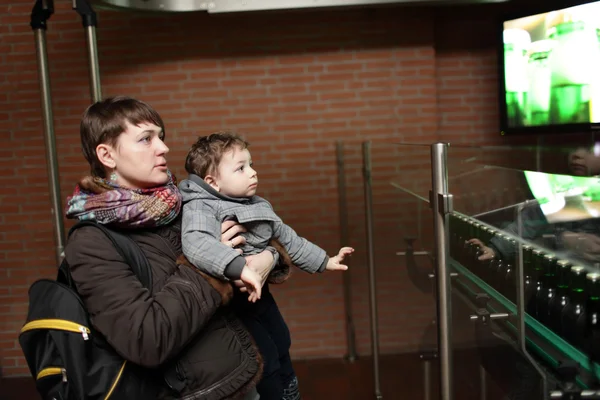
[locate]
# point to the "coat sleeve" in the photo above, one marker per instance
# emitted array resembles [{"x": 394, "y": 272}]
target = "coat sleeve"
[
  {"x": 200, "y": 240},
  {"x": 143, "y": 328},
  {"x": 304, "y": 254}
]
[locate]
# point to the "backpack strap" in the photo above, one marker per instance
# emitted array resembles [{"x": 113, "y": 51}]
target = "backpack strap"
[{"x": 127, "y": 248}]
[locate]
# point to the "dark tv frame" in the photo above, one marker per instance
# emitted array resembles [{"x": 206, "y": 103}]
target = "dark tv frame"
[{"x": 505, "y": 130}]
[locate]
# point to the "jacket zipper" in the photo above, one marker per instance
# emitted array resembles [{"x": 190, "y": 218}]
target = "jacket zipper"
[
  {"x": 116, "y": 381},
  {"x": 58, "y": 324},
  {"x": 68, "y": 326},
  {"x": 51, "y": 371}
]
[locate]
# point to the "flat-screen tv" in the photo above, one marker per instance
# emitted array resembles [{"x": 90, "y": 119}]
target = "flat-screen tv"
[{"x": 550, "y": 70}]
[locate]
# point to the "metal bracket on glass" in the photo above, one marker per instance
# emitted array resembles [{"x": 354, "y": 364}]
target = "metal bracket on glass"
[
  {"x": 567, "y": 373},
  {"x": 452, "y": 275},
  {"x": 445, "y": 201},
  {"x": 583, "y": 394},
  {"x": 418, "y": 277},
  {"x": 482, "y": 314}
]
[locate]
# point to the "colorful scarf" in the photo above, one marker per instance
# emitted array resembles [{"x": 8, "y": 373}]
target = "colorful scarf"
[{"x": 107, "y": 203}]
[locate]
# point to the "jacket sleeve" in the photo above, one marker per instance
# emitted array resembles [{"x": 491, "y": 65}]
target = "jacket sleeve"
[
  {"x": 200, "y": 240},
  {"x": 304, "y": 254},
  {"x": 534, "y": 226},
  {"x": 143, "y": 328}
]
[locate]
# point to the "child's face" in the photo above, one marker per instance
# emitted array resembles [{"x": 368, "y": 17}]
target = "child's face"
[
  {"x": 235, "y": 177},
  {"x": 584, "y": 162}
]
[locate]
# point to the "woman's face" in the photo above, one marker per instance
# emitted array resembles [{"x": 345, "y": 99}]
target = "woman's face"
[{"x": 138, "y": 158}]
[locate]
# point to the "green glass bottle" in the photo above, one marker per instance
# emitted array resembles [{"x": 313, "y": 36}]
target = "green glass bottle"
[
  {"x": 528, "y": 273},
  {"x": 466, "y": 246},
  {"x": 496, "y": 265},
  {"x": 546, "y": 295},
  {"x": 509, "y": 288},
  {"x": 561, "y": 299},
  {"x": 593, "y": 300},
  {"x": 592, "y": 307},
  {"x": 574, "y": 317},
  {"x": 538, "y": 276},
  {"x": 473, "y": 248},
  {"x": 484, "y": 233}
]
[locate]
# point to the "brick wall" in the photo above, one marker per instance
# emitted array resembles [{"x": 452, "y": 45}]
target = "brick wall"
[{"x": 293, "y": 84}]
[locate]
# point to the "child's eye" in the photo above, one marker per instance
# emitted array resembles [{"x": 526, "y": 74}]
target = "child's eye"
[
  {"x": 241, "y": 169},
  {"x": 251, "y": 164}
]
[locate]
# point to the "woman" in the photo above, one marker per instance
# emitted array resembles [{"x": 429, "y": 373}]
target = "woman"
[{"x": 203, "y": 351}]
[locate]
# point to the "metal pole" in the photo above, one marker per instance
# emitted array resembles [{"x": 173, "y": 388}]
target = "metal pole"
[
  {"x": 441, "y": 202},
  {"x": 90, "y": 21},
  {"x": 95, "y": 87},
  {"x": 427, "y": 380},
  {"x": 482, "y": 383},
  {"x": 41, "y": 12},
  {"x": 372, "y": 282},
  {"x": 350, "y": 336}
]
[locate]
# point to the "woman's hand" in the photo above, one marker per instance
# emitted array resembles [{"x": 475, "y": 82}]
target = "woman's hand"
[
  {"x": 487, "y": 253},
  {"x": 262, "y": 264},
  {"x": 230, "y": 234}
]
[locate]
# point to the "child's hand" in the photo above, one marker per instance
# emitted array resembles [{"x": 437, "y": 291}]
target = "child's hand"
[
  {"x": 253, "y": 283},
  {"x": 334, "y": 263}
]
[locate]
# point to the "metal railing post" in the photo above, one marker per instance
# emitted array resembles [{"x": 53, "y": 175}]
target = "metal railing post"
[
  {"x": 343, "y": 205},
  {"x": 441, "y": 202},
  {"x": 41, "y": 12},
  {"x": 90, "y": 21},
  {"x": 371, "y": 257}
]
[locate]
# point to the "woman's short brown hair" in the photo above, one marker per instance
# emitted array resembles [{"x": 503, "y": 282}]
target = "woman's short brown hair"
[
  {"x": 104, "y": 121},
  {"x": 205, "y": 155}
]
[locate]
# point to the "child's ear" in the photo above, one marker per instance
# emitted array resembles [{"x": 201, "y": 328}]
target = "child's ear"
[{"x": 212, "y": 182}]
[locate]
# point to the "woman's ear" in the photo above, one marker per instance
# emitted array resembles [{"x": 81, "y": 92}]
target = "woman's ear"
[
  {"x": 104, "y": 152},
  {"x": 212, "y": 181}
]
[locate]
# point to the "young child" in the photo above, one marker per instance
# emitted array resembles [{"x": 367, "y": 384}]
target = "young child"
[{"x": 222, "y": 186}]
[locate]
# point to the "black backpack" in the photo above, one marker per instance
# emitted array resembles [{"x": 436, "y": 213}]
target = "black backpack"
[{"x": 67, "y": 357}]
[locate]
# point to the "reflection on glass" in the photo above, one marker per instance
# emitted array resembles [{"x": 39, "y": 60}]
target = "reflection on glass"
[
  {"x": 554, "y": 218},
  {"x": 565, "y": 197}
]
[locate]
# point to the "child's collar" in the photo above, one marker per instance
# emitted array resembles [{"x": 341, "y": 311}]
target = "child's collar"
[{"x": 200, "y": 182}]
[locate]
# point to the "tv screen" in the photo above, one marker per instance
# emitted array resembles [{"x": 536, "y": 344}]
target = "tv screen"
[{"x": 551, "y": 71}]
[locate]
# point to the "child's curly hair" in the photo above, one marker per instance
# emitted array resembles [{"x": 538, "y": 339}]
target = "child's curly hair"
[{"x": 205, "y": 155}]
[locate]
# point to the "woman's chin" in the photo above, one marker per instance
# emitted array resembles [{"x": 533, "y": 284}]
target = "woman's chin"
[{"x": 156, "y": 181}]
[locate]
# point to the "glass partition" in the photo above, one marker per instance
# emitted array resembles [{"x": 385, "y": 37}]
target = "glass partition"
[
  {"x": 524, "y": 254},
  {"x": 402, "y": 255},
  {"x": 525, "y": 246},
  {"x": 410, "y": 182}
]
